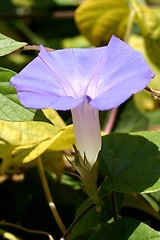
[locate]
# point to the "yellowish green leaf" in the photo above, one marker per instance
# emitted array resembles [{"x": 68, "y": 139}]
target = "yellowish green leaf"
[
  {"x": 25, "y": 154},
  {"x": 149, "y": 21},
  {"x": 64, "y": 140},
  {"x": 25, "y": 133},
  {"x": 5, "y": 150},
  {"x": 25, "y": 141},
  {"x": 8, "y": 45},
  {"x": 99, "y": 20},
  {"x": 54, "y": 117},
  {"x": 54, "y": 162},
  {"x": 143, "y": 97}
]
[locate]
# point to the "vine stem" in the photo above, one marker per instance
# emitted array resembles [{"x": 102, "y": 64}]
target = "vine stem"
[
  {"x": 78, "y": 218},
  {"x": 155, "y": 93},
  {"x": 35, "y": 48},
  {"x": 6, "y": 224},
  {"x": 48, "y": 195},
  {"x": 114, "y": 206}
]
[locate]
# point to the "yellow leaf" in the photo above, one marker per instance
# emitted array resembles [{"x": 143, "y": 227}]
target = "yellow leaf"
[
  {"x": 25, "y": 154},
  {"x": 98, "y": 20},
  {"x": 22, "y": 142},
  {"x": 25, "y": 133},
  {"x": 149, "y": 21},
  {"x": 54, "y": 162},
  {"x": 64, "y": 140},
  {"x": 143, "y": 97},
  {"x": 54, "y": 117}
]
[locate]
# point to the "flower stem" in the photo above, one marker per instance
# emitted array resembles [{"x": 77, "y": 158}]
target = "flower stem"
[
  {"x": 114, "y": 206},
  {"x": 51, "y": 203}
]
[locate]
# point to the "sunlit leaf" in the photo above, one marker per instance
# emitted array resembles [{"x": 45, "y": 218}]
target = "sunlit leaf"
[
  {"x": 149, "y": 20},
  {"x": 65, "y": 139},
  {"x": 27, "y": 141},
  {"x": 144, "y": 100},
  {"x": 54, "y": 117},
  {"x": 25, "y": 133},
  {"x": 99, "y": 20},
  {"x": 8, "y": 45}
]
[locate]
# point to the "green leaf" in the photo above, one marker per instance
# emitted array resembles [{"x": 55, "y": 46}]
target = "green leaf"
[
  {"x": 131, "y": 162},
  {"x": 8, "y": 45},
  {"x": 10, "y": 107},
  {"x": 153, "y": 119},
  {"x": 130, "y": 119},
  {"x": 99, "y": 20},
  {"x": 126, "y": 229},
  {"x": 86, "y": 223}
]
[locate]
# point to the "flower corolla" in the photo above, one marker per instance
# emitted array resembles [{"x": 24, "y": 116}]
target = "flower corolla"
[{"x": 84, "y": 81}]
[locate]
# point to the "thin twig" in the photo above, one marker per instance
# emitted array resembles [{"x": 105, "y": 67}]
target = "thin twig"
[
  {"x": 36, "y": 48},
  {"x": 25, "y": 229},
  {"x": 155, "y": 93},
  {"x": 48, "y": 195},
  {"x": 114, "y": 206}
]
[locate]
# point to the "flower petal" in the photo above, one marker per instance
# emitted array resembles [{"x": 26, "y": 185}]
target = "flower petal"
[
  {"x": 73, "y": 68},
  {"x": 56, "y": 74},
  {"x": 38, "y": 89},
  {"x": 40, "y": 101},
  {"x": 126, "y": 73}
]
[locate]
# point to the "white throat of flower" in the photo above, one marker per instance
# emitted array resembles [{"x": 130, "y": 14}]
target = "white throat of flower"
[{"x": 87, "y": 132}]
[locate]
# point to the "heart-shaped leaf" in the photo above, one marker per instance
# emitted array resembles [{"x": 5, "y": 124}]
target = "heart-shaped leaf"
[{"x": 131, "y": 162}]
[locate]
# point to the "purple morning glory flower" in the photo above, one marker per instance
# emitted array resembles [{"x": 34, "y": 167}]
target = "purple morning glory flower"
[{"x": 85, "y": 81}]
